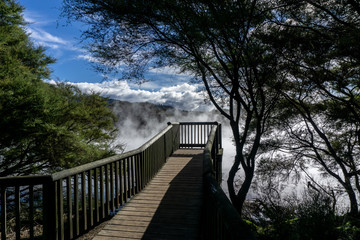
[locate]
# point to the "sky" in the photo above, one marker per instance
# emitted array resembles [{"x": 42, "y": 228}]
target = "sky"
[
  {"x": 62, "y": 41},
  {"x": 73, "y": 64}
]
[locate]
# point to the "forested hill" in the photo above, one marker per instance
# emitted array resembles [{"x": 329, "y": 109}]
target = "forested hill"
[{"x": 143, "y": 114}]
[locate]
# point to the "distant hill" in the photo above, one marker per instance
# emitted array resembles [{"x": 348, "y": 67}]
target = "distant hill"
[{"x": 143, "y": 113}]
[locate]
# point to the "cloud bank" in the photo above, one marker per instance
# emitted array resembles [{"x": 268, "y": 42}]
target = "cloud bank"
[{"x": 183, "y": 96}]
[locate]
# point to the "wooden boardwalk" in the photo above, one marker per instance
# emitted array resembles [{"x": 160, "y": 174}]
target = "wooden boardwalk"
[{"x": 168, "y": 208}]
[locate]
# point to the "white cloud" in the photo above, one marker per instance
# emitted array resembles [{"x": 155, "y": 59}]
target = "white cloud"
[
  {"x": 185, "y": 87},
  {"x": 183, "y": 96},
  {"x": 44, "y": 33},
  {"x": 43, "y": 36}
]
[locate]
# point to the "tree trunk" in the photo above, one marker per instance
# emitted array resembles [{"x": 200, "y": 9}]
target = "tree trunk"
[
  {"x": 240, "y": 198},
  {"x": 353, "y": 202}
]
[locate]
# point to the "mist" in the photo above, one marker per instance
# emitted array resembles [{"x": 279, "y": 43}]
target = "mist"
[{"x": 139, "y": 122}]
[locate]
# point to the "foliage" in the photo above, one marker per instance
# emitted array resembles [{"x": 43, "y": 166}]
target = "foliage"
[
  {"x": 216, "y": 42},
  {"x": 319, "y": 117},
  {"x": 43, "y": 127},
  {"x": 284, "y": 73},
  {"x": 349, "y": 230},
  {"x": 308, "y": 218}
]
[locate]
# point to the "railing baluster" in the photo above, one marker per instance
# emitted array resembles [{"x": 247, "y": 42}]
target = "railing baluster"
[
  {"x": 69, "y": 205},
  {"x": 90, "y": 198},
  {"x": 192, "y": 134},
  {"x": 83, "y": 201},
  {"x": 31, "y": 211},
  {"x": 125, "y": 181},
  {"x": 147, "y": 161},
  {"x": 102, "y": 201},
  {"x": 189, "y": 135},
  {"x": 128, "y": 176},
  {"x": 112, "y": 195},
  {"x": 107, "y": 195},
  {"x": 132, "y": 175},
  {"x": 121, "y": 178},
  {"x": 181, "y": 132},
  {"x": 61, "y": 209},
  {"x": 137, "y": 173},
  {"x": 117, "y": 202},
  {"x": 3, "y": 212},
  {"x": 76, "y": 203},
  {"x": 17, "y": 212},
  {"x": 96, "y": 194}
]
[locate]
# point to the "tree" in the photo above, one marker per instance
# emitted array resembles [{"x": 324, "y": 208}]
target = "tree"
[
  {"x": 43, "y": 127},
  {"x": 320, "y": 51},
  {"x": 214, "y": 41}
]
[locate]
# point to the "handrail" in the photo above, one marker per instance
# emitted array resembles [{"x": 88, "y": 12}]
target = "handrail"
[
  {"x": 77, "y": 199},
  {"x": 101, "y": 162},
  {"x": 74, "y": 200},
  {"x": 220, "y": 218}
]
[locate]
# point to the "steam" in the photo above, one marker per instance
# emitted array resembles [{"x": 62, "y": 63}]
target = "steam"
[{"x": 139, "y": 122}]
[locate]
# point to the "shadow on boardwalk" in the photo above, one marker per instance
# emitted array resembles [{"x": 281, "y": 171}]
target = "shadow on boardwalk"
[
  {"x": 178, "y": 215},
  {"x": 168, "y": 208}
]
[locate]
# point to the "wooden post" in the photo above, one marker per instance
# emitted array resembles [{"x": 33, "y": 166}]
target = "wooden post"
[
  {"x": 50, "y": 214},
  {"x": 3, "y": 212}
]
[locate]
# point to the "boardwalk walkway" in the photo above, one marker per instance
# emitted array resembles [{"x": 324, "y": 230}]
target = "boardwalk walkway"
[{"x": 168, "y": 208}]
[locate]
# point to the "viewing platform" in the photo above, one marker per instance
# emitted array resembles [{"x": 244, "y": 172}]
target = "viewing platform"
[
  {"x": 166, "y": 189},
  {"x": 168, "y": 208}
]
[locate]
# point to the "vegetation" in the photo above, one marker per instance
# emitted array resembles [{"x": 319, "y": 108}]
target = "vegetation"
[
  {"x": 235, "y": 68},
  {"x": 284, "y": 73},
  {"x": 43, "y": 127},
  {"x": 319, "y": 115},
  {"x": 309, "y": 217}
]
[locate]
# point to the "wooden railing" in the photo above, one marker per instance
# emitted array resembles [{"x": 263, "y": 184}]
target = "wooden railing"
[
  {"x": 66, "y": 204},
  {"x": 220, "y": 219}
]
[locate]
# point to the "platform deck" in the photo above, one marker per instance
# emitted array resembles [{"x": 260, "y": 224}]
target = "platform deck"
[{"x": 168, "y": 208}]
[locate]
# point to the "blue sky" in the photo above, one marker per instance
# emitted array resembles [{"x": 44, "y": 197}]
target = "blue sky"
[{"x": 62, "y": 41}]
